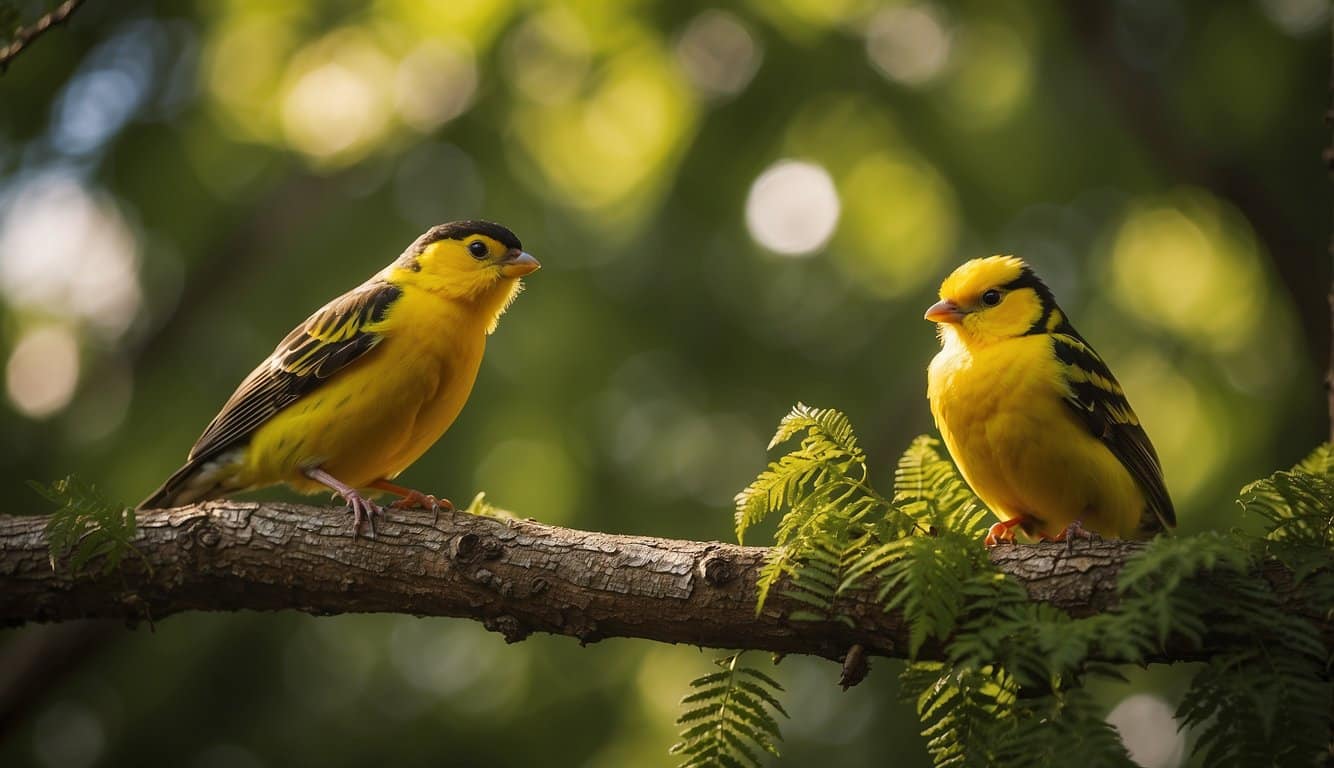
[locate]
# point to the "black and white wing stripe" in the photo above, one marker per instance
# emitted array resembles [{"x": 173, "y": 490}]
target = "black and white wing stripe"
[
  {"x": 1097, "y": 398},
  {"x": 325, "y": 343}
]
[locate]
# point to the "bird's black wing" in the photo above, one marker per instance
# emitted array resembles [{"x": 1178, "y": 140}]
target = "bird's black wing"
[
  {"x": 324, "y": 344},
  {"x": 1097, "y": 398}
]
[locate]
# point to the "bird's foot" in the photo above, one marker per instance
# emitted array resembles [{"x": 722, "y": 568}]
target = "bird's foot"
[
  {"x": 361, "y": 507},
  {"x": 413, "y": 499},
  {"x": 1072, "y": 532},
  {"x": 1002, "y": 532}
]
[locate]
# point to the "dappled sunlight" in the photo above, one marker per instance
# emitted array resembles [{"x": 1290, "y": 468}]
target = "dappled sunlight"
[
  {"x": 245, "y": 58},
  {"x": 802, "y": 17},
  {"x": 531, "y": 476},
  {"x": 335, "y": 107},
  {"x": 992, "y": 76},
  {"x": 663, "y": 441},
  {"x": 736, "y": 207},
  {"x": 549, "y": 56},
  {"x": 1191, "y": 437},
  {"x": 609, "y": 151},
  {"x": 477, "y": 21},
  {"x": 899, "y": 217},
  {"x": 458, "y": 662},
  {"x": 900, "y": 223},
  {"x": 69, "y": 735},
  {"x": 1189, "y": 263},
  {"x": 1297, "y": 17}
]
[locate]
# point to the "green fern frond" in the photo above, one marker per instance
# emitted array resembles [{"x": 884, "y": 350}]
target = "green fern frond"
[
  {"x": 929, "y": 487},
  {"x": 828, "y": 449},
  {"x": 730, "y": 717},
  {"x": 1320, "y": 463},
  {"x": 829, "y": 424},
  {"x": 86, "y": 526}
]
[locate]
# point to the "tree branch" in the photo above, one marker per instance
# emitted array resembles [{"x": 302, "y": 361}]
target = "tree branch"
[
  {"x": 23, "y": 36},
  {"x": 514, "y": 576}
]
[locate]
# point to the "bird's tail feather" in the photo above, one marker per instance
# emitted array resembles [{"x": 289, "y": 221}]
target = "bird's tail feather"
[{"x": 194, "y": 482}]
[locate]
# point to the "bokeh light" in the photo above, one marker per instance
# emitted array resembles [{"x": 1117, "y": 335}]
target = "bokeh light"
[
  {"x": 43, "y": 371},
  {"x": 602, "y": 145},
  {"x": 792, "y": 208},
  {"x": 992, "y": 76},
  {"x": 1149, "y": 731},
  {"x": 434, "y": 83},
  {"x": 909, "y": 44},
  {"x": 1189, "y": 263},
  {"x": 1297, "y": 17},
  {"x": 67, "y": 252},
  {"x": 69, "y": 735},
  {"x": 1192, "y": 439},
  {"x": 718, "y": 53},
  {"x": 549, "y": 56},
  {"x": 530, "y": 474},
  {"x": 178, "y": 188},
  {"x": 900, "y": 223},
  {"x": 334, "y": 104}
]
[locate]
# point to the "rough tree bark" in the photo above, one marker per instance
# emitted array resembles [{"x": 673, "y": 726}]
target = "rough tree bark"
[{"x": 514, "y": 576}]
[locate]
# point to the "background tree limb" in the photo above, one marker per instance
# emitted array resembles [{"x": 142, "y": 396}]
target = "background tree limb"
[
  {"x": 514, "y": 576},
  {"x": 24, "y": 35}
]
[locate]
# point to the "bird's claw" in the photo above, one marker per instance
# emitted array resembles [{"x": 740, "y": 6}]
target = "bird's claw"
[
  {"x": 417, "y": 500},
  {"x": 362, "y": 508},
  {"x": 1002, "y": 532},
  {"x": 1073, "y": 531}
]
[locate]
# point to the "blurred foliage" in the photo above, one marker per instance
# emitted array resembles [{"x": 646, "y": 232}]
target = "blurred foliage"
[
  {"x": 1011, "y": 687},
  {"x": 182, "y": 183}
]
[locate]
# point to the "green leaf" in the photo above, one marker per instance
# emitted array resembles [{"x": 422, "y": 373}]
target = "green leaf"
[
  {"x": 86, "y": 527},
  {"x": 730, "y": 717}
]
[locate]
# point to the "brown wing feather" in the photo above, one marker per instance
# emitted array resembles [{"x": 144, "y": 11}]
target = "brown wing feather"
[
  {"x": 325, "y": 343},
  {"x": 1096, "y": 396}
]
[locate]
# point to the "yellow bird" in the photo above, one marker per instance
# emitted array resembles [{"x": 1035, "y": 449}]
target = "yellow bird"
[
  {"x": 364, "y": 386},
  {"x": 1036, "y": 422}
]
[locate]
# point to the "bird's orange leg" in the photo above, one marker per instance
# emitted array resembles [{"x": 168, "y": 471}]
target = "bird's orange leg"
[
  {"x": 411, "y": 498},
  {"x": 362, "y": 507},
  {"x": 1003, "y": 531}
]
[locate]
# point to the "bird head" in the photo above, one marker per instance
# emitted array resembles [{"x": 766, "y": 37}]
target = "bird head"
[
  {"x": 994, "y": 298},
  {"x": 471, "y": 261}
]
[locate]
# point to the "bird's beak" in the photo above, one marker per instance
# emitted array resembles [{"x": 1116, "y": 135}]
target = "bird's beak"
[
  {"x": 518, "y": 263},
  {"x": 944, "y": 311}
]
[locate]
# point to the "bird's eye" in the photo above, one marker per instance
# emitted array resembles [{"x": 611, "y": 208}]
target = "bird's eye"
[
  {"x": 991, "y": 298},
  {"x": 478, "y": 249}
]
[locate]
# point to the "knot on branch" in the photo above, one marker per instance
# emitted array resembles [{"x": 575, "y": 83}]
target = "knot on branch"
[
  {"x": 509, "y": 627},
  {"x": 490, "y": 579},
  {"x": 717, "y": 569},
  {"x": 470, "y": 547}
]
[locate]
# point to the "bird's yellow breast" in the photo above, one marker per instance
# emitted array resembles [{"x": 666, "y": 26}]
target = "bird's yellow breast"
[
  {"x": 377, "y": 416},
  {"x": 1001, "y": 412}
]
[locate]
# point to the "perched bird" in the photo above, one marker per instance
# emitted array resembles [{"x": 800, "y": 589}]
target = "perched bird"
[
  {"x": 1036, "y": 422},
  {"x": 364, "y": 386}
]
